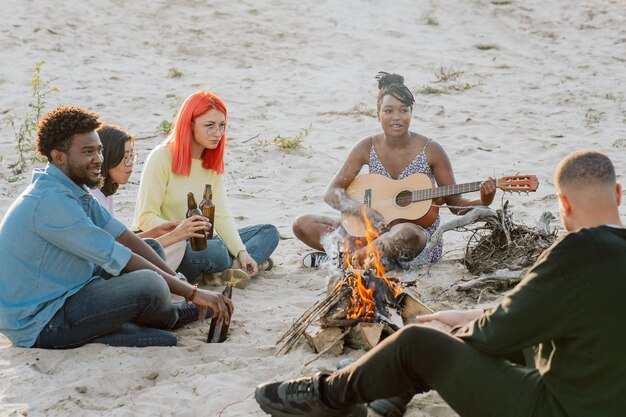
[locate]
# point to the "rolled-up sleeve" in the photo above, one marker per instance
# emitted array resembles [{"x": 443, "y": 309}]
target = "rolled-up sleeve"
[{"x": 73, "y": 231}]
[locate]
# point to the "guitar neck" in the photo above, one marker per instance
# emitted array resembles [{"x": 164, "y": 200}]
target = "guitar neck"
[{"x": 446, "y": 190}]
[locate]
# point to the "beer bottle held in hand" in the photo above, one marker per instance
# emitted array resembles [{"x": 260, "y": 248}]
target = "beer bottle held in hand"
[
  {"x": 197, "y": 243},
  {"x": 207, "y": 207},
  {"x": 218, "y": 330}
]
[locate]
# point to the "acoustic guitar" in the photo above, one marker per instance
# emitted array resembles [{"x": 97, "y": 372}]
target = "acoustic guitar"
[{"x": 411, "y": 198}]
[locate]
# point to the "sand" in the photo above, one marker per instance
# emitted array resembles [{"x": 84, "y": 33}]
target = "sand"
[{"x": 539, "y": 80}]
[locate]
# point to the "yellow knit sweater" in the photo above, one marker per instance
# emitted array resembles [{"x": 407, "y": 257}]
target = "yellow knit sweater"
[{"x": 162, "y": 196}]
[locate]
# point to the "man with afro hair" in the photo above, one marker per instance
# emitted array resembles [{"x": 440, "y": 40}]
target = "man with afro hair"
[{"x": 71, "y": 274}]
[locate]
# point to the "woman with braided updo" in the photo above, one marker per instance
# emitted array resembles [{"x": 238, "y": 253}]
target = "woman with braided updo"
[{"x": 395, "y": 153}]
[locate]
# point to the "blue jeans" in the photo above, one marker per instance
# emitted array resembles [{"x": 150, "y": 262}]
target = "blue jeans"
[
  {"x": 260, "y": 241},
  {"x": 127, "y": 310}
]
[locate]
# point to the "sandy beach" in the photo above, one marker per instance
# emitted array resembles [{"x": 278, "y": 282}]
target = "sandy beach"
[{"x": 505, "y": 87}]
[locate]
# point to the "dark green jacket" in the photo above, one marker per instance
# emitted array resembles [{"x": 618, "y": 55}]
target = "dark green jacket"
[{"x": 571, "y": 310}]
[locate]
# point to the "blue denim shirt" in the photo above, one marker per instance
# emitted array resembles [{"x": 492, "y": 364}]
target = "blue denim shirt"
[{"x": 51, "y": 239}]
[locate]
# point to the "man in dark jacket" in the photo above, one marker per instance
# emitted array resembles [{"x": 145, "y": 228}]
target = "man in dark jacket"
[{"x": 566, "y": 317}]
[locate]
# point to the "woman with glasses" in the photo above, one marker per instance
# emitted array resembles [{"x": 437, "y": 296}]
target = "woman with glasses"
[
  {"x": 192, "y": 156},
  {"x": 118, "y": 160}
]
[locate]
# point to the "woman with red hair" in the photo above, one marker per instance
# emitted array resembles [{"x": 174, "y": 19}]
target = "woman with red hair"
[{"x": 192, "y": 156}]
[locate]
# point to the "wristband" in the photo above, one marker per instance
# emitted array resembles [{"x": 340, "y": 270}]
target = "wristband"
[{"x": 193, "y": 293}]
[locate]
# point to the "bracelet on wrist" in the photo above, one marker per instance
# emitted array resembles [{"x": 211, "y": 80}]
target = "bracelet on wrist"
[{"x": 193, "y": 293}]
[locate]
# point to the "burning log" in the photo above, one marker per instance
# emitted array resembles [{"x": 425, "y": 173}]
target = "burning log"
[
  {"x": 412, "y": 307},
  {"x": 385, "y": 313},
  {"x": 362, "y": 307}
]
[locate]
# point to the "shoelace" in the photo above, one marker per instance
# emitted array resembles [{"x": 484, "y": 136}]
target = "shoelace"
[
  {"x": 187, "y": 313},
  {"x": 299, "y": 389}
]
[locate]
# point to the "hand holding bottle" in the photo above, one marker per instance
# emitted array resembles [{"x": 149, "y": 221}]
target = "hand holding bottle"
[
  {"x": 221, "y": 306},
  {"x": 193, "y": 226}
]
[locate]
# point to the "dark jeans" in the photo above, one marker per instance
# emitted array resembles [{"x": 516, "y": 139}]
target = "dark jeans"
[
  {"x": 260, "y": 241},
  {"x": 419, "y": 358},
  {"x": 128, "y": 310}
]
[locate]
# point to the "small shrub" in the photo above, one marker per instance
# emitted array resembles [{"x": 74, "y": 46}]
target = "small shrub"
[
  {"x": 25, "y": 130},
  {"x": 486, "y": 46},
  {"x": 294, "y": 142},
  {"x": 460, "y": 87},
  {"x": 593, "y": 117},
  {"x": 360, "y": 109},
  {"x": 430, "y": 20},
  {"x": 428, "y": 90},
  {"x": 165, "y": 127},
  {"x": 445, "y": 74},
  {"x": 174, "y": 73}
]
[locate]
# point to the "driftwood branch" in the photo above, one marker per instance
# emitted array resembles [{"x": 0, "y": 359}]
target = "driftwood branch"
[
  {"x": 502, "y": 244},
  {"x": 475, "y": 214},
  {"x": 512, "y": 276}
]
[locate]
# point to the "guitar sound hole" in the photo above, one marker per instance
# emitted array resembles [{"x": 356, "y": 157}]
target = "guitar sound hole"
[{"x": 403, "y": 199}]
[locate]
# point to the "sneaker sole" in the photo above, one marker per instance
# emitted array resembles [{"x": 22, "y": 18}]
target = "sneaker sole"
[
  {"x": 386, "y": 408},
  {"x": 359, "y": 412}
]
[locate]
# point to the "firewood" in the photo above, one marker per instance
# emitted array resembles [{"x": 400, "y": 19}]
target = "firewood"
[
  {"x": 510, "y": 277},
  {"x": 340, "y": 339},
  {"x": 395, "y": 318},
  {"x": 364, "y": 335},
  {"x": 297, "y": 329},
  {"x": 321, "y": 339},
  {"x": 412, "y": 307}
]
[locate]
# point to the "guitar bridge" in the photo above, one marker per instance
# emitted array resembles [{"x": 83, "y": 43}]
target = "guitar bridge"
[{"x": 367, "y": 197}]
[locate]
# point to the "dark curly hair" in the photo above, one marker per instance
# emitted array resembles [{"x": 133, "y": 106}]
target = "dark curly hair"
[
  {"x": 56, "y": 128},
  {"x": 113, "y": 141},
  {"x": 393, "y": 84}
]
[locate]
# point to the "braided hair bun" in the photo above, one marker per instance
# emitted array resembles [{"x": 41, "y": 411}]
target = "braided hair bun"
[
  {"x": 385, "y": 79},
  {"x": 393, "y": 84}
]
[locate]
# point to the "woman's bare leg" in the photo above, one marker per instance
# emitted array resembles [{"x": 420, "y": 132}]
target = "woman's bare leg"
[
  {"x": 404, "y": 241},
  {"x": 309, "y": 228}
]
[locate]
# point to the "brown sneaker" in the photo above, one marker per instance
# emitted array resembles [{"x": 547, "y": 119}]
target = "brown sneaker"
[{"x": 301, "y": 397}]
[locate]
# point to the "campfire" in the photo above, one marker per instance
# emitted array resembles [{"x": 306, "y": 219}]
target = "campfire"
[{"x": 363, "y": 305}]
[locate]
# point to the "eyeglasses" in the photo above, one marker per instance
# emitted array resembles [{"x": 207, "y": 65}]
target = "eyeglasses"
[
  {"x": 215, "y": 128},
  {"x": 130, "y": 159}
]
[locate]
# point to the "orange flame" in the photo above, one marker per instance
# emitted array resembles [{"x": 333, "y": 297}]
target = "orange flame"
[{"x": 362, "y": 303}]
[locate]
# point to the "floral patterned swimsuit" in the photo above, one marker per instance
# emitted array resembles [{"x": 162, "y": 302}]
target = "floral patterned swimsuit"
[{"x": 417, "y": 166}]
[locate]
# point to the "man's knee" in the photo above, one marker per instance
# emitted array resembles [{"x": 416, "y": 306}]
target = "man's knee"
[
  {"x": 412, "y": 334},
  {"x": 149, "y": 286}
]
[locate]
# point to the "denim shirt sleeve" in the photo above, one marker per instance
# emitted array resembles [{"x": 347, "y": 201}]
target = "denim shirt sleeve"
[{"x": 87, "y": 232}]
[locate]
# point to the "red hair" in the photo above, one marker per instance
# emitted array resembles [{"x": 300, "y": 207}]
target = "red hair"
[{"x": 181, "y": 138}]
